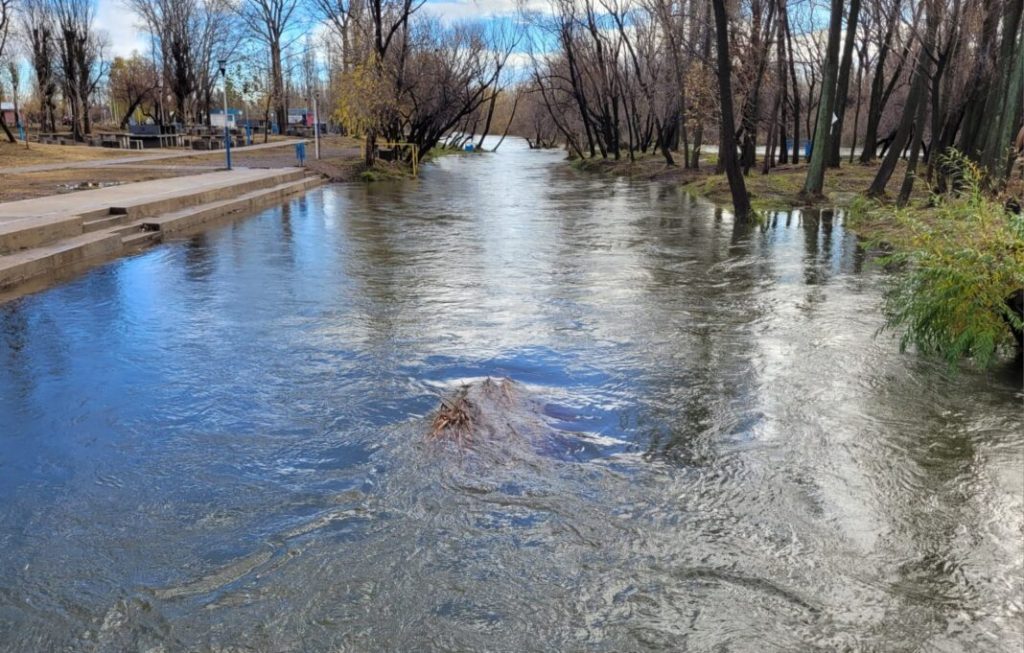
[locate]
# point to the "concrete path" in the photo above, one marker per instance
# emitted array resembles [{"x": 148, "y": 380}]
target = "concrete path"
[
  {"x": 85, "y": 201},
  {"x": 47, "y": 239},
  {"x": 145, "y": 158}
]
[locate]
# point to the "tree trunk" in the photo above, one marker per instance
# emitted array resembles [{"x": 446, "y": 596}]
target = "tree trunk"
[
  {"x": 7, "y": 131},
  {"x": 277, "y": 86},
  {"x": 907, "y": 129},
  {"x": 856, "y": 111},
  {"x": 784, "y": 16},
  {"x": 877, "y": 99},
  {"x": 822, "y": 132},
  {"x": 924, "y": 72},
  {"x": 1004, "y": 96},
  {"x": 842, "y": 87},
  {"x": 740, "y": 199},
  {"x": 487, "y": 122}
]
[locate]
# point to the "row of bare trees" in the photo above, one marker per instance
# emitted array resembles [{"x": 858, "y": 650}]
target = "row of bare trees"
[
  {"x": 407, "y": 77},
  {"x": 881, "y": 78},
  {"x": 66, "y": 53},
  {"x": 386, "y": 70}
]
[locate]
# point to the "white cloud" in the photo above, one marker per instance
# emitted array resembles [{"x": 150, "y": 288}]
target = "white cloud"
[
  {"x": 456, "y": 10},
  {"x": 121, "y": 25}
]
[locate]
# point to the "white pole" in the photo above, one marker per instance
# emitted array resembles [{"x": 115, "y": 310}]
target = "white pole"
[{"x": 227, "y": 132}]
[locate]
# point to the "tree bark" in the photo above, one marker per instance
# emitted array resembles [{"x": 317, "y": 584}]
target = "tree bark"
[
  {"x": 821, "y": 143},
  {"x": 842, "y": 86},
  {"x": 740, "y": 199},
  {"x": 907, "y": 129},
  {"x": 879, "y": 93},
  {"x": 924, "y": 73},
  {"x": 1004, "y": 96}
]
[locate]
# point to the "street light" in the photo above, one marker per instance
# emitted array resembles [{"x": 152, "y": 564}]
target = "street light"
[
  {"x": 223, "y": 64},
  {"x": 316, "y": 124}
]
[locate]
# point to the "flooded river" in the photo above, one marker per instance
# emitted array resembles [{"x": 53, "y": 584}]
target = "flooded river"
[{"x": 218, "y": 445}]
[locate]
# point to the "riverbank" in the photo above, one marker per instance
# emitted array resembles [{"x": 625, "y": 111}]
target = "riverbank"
[
  {"x": 779, "y": 190},
  {"x": 44, "y": 240}
]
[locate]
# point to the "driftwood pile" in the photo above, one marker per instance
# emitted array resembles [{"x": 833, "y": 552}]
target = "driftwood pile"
[{"x": 461, "y": 420}]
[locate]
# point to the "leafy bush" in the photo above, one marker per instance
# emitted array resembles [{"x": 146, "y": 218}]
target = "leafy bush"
[{"x": 962, "y": 258}]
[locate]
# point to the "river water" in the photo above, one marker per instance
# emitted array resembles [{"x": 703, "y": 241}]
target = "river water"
[{"x": 218, "y": 445}]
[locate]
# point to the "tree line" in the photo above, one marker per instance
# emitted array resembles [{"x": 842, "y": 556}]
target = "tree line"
[
  {"x": 382, "y": 69},
  {"x": 882, "y": 78},
  {"x": 764, "y": 80}
]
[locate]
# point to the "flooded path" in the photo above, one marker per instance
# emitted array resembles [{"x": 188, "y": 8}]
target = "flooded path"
[{"x": 219, "y": 445}]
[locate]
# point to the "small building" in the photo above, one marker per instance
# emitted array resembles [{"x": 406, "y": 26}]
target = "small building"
[
  {"x": 217, "y": 118},
  {"x": 10, "y": 119},
  {"x": 303, "y": 117}
]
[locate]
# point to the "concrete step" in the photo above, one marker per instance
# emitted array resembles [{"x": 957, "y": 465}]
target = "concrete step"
[
  {"x": 103, "y": 223},
  {"x": 73, "y": 252},
  {"x": 140, "y": 239},
  {"x": 35, "y": 231},
  {"x": 114, "y": 235},
  {"x": 188, "y": 219},
  {"x": 148, "y": 208}
]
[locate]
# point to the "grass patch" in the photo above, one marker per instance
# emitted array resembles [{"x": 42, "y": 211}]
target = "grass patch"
[{"x": 961, "y": 259}]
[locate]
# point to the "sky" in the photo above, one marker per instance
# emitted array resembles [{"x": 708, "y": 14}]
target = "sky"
[{"x": 121, "y": 24}]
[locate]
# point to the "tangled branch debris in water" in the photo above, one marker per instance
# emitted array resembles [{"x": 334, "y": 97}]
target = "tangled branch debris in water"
[
  {"x": 479, "y": 410},
  {"x": 453, "y": 420}
]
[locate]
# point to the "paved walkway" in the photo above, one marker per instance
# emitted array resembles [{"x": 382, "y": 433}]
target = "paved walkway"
[
  {"x": 71, "y": 204},
  {"x": 144, "y": 158}
]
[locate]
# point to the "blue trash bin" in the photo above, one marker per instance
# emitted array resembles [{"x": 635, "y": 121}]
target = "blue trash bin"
[{"x": 807, "y": 149}]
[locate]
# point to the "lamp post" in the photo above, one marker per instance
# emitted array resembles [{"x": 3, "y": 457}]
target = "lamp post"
[
  {"x": 223, "y": 63},
  {"x": 316, "y": 124}
]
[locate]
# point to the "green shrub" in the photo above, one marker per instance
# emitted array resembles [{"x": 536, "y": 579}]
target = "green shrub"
[{"x": 961, "y": 259}]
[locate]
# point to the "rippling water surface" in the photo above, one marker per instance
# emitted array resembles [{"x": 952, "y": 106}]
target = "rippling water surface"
[{"x": 218, "y": 445}]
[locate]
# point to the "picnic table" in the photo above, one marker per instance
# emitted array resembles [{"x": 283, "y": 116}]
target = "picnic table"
[{"x": 123, "y": 140}]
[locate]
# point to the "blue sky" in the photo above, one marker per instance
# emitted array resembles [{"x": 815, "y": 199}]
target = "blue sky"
[{"x": 121, "y": 24}]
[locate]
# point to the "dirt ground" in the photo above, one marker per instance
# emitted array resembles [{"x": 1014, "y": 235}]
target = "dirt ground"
[
  {"x": 15, "y": 154},
  {"x": 332, "y": 148}
]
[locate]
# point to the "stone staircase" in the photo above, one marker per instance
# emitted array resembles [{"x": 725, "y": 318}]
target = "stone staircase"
[{"x": 36, "y": 249}]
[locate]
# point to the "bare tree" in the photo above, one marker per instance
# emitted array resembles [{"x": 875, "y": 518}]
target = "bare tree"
[
  {"x": 80, "y": 56},
  {"x": 270, "y": 21},
  {"x": 819, "y": 154},
  {"x": 740, "y": 199},
  {"x": 39, "y": 29}
]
